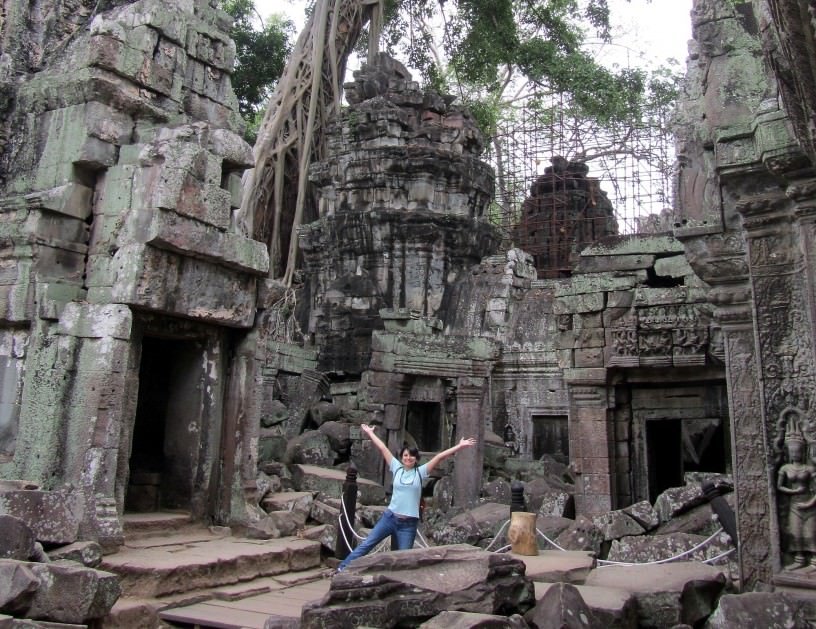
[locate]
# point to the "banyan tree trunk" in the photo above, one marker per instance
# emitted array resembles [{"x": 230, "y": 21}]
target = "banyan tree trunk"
[{"x": 276, "y": 199}]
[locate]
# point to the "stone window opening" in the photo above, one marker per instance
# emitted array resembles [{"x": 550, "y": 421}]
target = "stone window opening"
[
  {"x": 551, "y": 437},
  {"x": 653, "y": 280}
]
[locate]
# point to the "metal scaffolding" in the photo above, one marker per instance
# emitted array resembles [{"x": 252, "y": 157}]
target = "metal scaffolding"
[{"x": 626, "y": 186}]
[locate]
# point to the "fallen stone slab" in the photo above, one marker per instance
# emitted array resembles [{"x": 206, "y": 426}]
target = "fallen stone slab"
[
  {"x": 300, "y": 501},
  {"x": 644, "y": 514},
  {"x": 469, "y": 620},
  {"x": 164, "y": 570},
  {"x": 409, "y": 587},
  {"x": 330, "y": 482},
  {"x": 613, "y": 608},
  {"x": 89, "y": 554},
  {"x": 667, "y": 594},
  {"x": 582, "y": 534},
  {"x": 769, "y": 610},
  {"x": 69, "y": 593},
  {"x": 64, "y": 509},
  {"x": 17, "y": 540},
  {"x": 17, "y": 586},
  {"x": 646, "y": 548},
  {"x": 555, "y": 566},
  {"x": 562, "y": 607},
  {"x": 473, "y": 526},
  {"x": 617, "y": 524}
]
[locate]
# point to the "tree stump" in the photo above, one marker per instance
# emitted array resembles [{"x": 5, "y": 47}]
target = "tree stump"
[{"x": 522, "y": 533}]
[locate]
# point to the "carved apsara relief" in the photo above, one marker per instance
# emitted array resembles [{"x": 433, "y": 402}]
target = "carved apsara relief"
[{"x": 796, "y": 489}]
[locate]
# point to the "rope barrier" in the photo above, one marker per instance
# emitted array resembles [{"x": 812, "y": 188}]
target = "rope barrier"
[
  {"x": 498, "y": 535},
  {"x": 605, "y": 562},
  {"x": 602, "y": 563},
  {"x": 550, "y": 542},
  {"x": 720, "y": 556}
]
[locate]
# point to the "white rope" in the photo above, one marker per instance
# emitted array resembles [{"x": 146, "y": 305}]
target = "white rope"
[
  {"x": 503, "y": 549},
  {"x": 422, "y": 541},
  {"x": 498, "y": 535},
  {"x": 605, "y": 562},
  {"x": 340, "y": 520},
  {"x": 720, "y": 556},
  {"x": 550, "y": 542}
]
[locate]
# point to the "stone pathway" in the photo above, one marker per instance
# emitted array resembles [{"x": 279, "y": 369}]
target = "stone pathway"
[
  {"x": 281, "y": 601},
  {"x": 205, "y": 574},
  {"x": 206, "y": 578}
]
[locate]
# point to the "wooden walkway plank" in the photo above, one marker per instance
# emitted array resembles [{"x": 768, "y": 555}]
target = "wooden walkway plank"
[
  {"x": 206, "y": 615},
  {"x": 251, "y": 611}
]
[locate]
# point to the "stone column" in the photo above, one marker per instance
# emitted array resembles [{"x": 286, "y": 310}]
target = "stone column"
[
  {"x": 470, "y": 422},
  {"x": 95, "y": 415},
  {"x": 591, "y": 435},
  {"x": 783, "y": 357},
  {"x": 747, "y": 443}
]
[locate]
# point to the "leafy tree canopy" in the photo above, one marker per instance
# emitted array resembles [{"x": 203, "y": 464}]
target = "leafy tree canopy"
[
  {"x": 262, "y": 47},
  {"x": 481, "y": 49}
]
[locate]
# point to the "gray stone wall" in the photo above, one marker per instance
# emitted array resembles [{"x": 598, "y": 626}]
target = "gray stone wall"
[
  {"x": 746, "y": 191},
  {"x": 121, "y": 161}
]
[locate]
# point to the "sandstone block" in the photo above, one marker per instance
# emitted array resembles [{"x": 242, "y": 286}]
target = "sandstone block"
[
  {"x": 72, "y": 594},
  {"x": 411, "y": 586},
  {"x": 17, "y": 540},
  {"x": 64, "y": 513},
  {"x": 18, "y": 583}
]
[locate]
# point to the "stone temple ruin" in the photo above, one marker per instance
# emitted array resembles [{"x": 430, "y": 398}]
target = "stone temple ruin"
[{"x": 149, "y": 363}]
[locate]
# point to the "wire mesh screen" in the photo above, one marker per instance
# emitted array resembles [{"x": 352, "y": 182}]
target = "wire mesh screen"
[{"x": 594, "y": 180}]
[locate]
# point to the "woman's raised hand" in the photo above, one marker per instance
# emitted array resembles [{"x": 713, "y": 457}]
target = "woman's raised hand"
[{"x": 467, "y": 442}]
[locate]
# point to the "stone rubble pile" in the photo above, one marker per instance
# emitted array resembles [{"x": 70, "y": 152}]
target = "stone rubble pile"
[{"x": 46, "y": 573}]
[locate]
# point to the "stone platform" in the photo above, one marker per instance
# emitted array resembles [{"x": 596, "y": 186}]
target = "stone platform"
[
  {"x": 210, "y": 579},
  {"x": 189, "y": 564}
]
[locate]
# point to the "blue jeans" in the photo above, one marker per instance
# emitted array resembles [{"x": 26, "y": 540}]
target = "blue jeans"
[{"x": 403, "y": 529}]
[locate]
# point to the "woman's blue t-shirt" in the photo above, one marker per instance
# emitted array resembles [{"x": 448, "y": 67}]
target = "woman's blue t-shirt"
[{"x": 406, "y": 488}]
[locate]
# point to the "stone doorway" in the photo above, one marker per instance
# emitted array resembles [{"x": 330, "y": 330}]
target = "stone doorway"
[
  {"x": 664, "y": 456},
  {"x": 166, "y": 442},
  {"x": 422, "y": 422},
  {"x": 681, "y": 429}
]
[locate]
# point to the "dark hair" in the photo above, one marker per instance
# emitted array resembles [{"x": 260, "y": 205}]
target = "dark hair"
[{"x": 412, "y": 450}]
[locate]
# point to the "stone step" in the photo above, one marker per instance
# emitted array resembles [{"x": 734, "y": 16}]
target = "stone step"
[
  {"x": 139, "y": 525},
  {"x": 246, "y": 601},
  {"x": 188, "y": 563},
  {"x": 612, "y": 607}
]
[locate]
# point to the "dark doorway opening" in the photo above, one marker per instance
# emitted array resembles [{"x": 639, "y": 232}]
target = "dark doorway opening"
[
  {"x": 664, "y": 448},
  {"x": 704, "y": 446},
  {"x": 422, "y": 423},
  {"x": 165, "y": 445},
  {"x": 551, "y": 437}
]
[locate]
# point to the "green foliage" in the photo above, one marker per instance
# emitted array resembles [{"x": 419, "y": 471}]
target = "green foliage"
[
  {"x": 488, "y": 44},
  {"x": 261, "y": 53}
]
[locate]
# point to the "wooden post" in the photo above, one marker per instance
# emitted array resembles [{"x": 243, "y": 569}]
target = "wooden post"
[
  {"x": 522, "y": 533},
  {"x": 345, "y": 531}
]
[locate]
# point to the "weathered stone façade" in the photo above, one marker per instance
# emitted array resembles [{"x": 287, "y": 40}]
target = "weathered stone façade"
[{"x": 144, "y": 355}]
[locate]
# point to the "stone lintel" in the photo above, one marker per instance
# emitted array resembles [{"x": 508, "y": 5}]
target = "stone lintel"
[
  {"x": 586, "y": 376},
  {"x": 96, "y": 321},
  {"x": 606, "y": 263},
  {"x": 633, "y": 245},
  {"x": 186, "y": 236}
]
